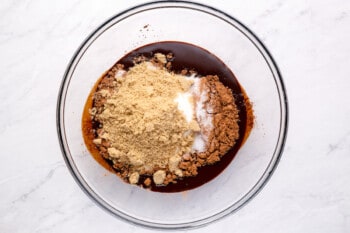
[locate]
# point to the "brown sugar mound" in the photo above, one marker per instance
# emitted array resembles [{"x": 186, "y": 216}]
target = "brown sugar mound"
[{"x": 141, "y": 121}]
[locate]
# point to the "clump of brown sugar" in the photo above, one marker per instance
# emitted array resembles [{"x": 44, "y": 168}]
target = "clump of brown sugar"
[
  {"x": 142, "y": 128},
  {"x": 143, "y": 132}
]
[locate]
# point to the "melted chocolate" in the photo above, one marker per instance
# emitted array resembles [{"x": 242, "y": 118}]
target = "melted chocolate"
[{"x": 191, "y": 57}]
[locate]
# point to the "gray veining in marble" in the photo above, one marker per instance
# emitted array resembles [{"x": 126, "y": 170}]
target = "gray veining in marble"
[{"x": 310, "y": 190}]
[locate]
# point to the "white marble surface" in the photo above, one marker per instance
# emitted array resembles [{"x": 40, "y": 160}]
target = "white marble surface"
[{"x": 310, "y": 190}]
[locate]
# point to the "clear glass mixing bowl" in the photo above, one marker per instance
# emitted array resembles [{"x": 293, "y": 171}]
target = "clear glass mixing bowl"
[{"x": 239, "y": 49}]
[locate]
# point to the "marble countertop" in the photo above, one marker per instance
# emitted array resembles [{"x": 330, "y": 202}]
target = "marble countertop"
[{"x": 309, "y": 191}]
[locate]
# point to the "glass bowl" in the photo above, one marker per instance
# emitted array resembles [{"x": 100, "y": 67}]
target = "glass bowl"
[{"x": 239, "y": 49}]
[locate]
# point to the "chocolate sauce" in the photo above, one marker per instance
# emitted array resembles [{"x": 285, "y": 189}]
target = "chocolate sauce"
[{"x": 191, "y": 57}]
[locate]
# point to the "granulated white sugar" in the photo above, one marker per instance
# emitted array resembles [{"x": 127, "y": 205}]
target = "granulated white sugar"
[{"x": 185, "y": 105}]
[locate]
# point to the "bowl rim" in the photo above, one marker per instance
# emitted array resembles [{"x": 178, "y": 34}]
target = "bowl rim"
[{"x": 284, "y": 113}]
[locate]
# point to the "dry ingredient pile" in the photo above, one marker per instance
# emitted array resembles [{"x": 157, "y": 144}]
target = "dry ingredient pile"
[{"x": 162, "y": 126}]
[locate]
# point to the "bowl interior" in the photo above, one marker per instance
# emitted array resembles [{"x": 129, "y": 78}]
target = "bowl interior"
[{"x": 239, "y": 50}]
